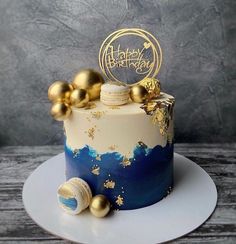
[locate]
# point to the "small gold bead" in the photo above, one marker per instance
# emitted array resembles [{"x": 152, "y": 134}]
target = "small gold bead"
[
  {"x": 59, "y": 91},
  {"x": 138, "y": 94},
  {"x": 79, "y": 98},
  {"x": 60, "y": 111},
  {"x": 99, "y": 206}
]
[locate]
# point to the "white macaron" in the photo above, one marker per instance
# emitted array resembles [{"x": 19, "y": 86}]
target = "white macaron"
[{"x": 114, "y": 94}]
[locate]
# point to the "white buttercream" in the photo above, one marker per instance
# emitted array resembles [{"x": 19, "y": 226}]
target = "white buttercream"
[{"x": 121, "y": 128}]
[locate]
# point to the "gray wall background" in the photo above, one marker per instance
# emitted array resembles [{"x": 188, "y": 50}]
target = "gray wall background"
[{"x": 42, "y": 41}]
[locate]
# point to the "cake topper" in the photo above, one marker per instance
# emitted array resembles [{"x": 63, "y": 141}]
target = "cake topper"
[{"x": 130, "y": 55}]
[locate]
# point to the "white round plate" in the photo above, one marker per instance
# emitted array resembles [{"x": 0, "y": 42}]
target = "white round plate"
[{"x": 191, "y": 202}]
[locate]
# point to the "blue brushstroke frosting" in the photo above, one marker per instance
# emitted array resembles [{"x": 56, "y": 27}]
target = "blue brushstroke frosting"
[
  {"x": 70, "y": 203},
  {"x": 145, "y": 180}
]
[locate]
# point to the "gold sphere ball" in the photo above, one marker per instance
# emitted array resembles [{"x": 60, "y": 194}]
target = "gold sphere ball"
[
  {"x": 89, "y": 80},
  {"x": 138, "y": 94},
  {"x": 99, "y": 206},
  {"x": 59, "y": 91},
  {"x": 60, "y": 111},
  {"x": 79, "y": 98}
]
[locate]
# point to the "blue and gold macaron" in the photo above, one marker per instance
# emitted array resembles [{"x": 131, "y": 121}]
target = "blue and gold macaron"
[{"x": 74, "y": 195}]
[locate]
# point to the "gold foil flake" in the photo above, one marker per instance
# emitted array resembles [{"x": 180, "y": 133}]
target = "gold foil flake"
[
  {"x": 161, "y": 118},
  {"x": 150, "y": 107},
  {"x": 109, "y": 184},
  {"x": 125, "y": 162},
  {"x": 119, "y": 200},
  {"x": 95, "y": 170},
  {"x": 161, "y": 112},
  {"x": 112, "y": 147},
  {"x": 90, "y": 133},
  {"x": 152, "y": 85},
  {"x": 98, "y": 158},
  {"x": 90, "y": 105},
  {"x": 97, "y": 114},
  {"x": 114, "y": 107},
  {"x": 89, "y": 120}
]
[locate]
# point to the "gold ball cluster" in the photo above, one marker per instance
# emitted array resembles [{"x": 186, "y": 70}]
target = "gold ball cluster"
[{"x": 85, "y": 86}]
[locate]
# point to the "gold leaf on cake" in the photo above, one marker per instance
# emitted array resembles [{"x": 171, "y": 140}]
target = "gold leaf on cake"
[
  {"x": 150, "y": 107},
  {"x": 109, "y": 184},
  {"x": 119, "y": 200},
  {"x": 112, "y": 147},
  {"x": 91, "y": 132},
  {"x": 125, "y": 162},
  {"x": 95, "y": 170},
  {"x": 114, "y": 107},
  {"x": 90, "y": 105},
  {"x": 161, "y": 112},
  {"x": 98, "y": 157},
  {"x": 97, "y": 114}
]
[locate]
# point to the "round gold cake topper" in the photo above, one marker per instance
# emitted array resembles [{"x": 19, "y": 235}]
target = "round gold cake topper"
[{"x": 130, "y": 55}]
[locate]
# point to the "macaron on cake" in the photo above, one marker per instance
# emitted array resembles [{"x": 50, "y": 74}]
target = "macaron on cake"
[
  {"x": 113, "y": 94},
  {"x": 74, "y": 196}
]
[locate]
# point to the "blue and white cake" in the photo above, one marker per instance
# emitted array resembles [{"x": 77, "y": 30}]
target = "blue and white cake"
[{"x": 123, "y": 152}]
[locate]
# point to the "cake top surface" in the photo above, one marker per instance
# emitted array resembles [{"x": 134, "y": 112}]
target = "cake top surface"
[{"x": 129, "y": 108}]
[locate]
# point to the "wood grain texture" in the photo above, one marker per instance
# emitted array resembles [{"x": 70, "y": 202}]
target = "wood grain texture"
[{"x": 219, "y": 160}]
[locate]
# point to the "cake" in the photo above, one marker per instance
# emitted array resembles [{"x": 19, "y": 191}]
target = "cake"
[
  {"x": 118, "y": 132},
  {"x": 121, "y": 152}
]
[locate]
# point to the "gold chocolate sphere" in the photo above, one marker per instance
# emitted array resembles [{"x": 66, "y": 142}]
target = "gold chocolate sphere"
[
  {"x": 59, "y": 91},
  {"x": 99, "y": 206},
  {"x": 89, "y": 80},
  {"x": 138, "y": 94},
  {"x": 79, "y": 98},
  {"x": 60, "y": 111},
  {"x": 152, "y": 85}
]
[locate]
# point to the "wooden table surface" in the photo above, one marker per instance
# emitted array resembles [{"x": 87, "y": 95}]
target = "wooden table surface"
[{"x": 16, "y": 163}]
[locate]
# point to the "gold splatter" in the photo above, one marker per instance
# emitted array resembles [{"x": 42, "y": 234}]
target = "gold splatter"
[
  {"x": 109, "y": 184},
  {"x": 89, "y": 120},
  {"x": 95, "y": 170},
  {"x": 125, "y": 162},
  {"x": 90, "y": 105},
  {"x": 112, "y": 147},
  {"x": 97, "y": 114},
  {"x": 119, "y": 200},
  {"x": 98, "y": 158},
  {"x": 90, "y": 133},
  {"x": 114, "y": 107}
]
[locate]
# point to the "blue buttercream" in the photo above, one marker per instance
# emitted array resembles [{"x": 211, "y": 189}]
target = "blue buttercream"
[
  {"x": 145, "y": 181},
  {"x": 68, "y": 202}
]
